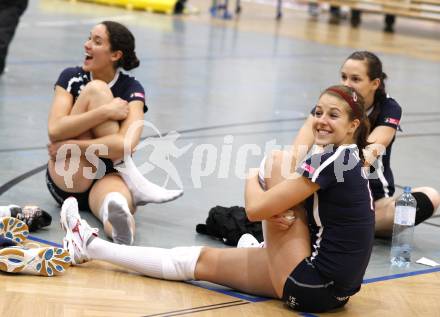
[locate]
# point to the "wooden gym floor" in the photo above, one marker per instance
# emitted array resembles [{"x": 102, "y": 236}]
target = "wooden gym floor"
[{"x": 249, "y": 77}]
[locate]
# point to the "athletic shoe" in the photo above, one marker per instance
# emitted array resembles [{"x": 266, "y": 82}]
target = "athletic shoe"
[
  {"x": 13, "y": 229},
  {"x": 249, "y": 241},
  {"x": 33, "y": 216},
  {"x": 45, "y": 261},
  {"x": 78, "y": 231}
]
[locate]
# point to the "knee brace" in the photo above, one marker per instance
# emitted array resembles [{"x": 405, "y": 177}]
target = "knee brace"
[{"x": 424, "y": 209}]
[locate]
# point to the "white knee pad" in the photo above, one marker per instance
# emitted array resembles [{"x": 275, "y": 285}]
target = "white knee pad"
[{"x": 180, "y": 263}]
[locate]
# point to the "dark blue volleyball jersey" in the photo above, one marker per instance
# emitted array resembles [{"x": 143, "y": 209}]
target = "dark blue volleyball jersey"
[
  {"x": 340, "y": 216},
  {"x": 126, "y": 87},
  {"x": 381, "y": 175}
]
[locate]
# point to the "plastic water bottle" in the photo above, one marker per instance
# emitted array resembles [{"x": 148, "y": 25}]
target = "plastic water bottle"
[{"x": 403, "y": 229}]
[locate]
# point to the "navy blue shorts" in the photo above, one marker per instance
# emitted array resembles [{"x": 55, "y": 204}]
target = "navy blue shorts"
[
  {"x": 83, "y": 198},
  {"x": 307, "y": 290}
]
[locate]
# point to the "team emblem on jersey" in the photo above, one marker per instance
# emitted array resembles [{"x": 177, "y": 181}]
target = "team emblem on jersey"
[
  {"x": 307, "y": 168},
  {"x": 137, "y": 95},
  {"x": 392, "y": 121}
]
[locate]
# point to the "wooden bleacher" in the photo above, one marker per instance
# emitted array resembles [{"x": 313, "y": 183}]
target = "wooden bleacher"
[{"x": 418, "y": 9}]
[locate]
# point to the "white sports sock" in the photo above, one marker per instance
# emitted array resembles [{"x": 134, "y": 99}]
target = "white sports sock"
[
  {"x": 172, "y": 264},
  {"x": 115, "y": 209},
  {"x": 142, "y": 190}
]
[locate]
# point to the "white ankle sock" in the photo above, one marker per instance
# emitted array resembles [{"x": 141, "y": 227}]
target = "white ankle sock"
[
  {"x": 172, "y": 264},
  {"x": 115, "y": 209},
  {"x": 142, "y": 190}
]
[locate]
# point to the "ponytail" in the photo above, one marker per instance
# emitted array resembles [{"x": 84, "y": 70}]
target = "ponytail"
[{"x": 121, "y": 39}]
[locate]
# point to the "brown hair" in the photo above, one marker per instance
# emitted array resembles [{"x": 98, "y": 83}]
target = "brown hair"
[
  {"x": 121, "y": 39},
  {"x": 356, "y": 110},
  {"x": 374, "y": 71}
]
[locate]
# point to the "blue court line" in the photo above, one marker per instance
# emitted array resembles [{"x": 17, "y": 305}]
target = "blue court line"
[
  {"x": 400, "y": 275},
  {"x": 44, "y": 241}
]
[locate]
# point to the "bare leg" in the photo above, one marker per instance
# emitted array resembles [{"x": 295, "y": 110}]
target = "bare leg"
[
  {"x": 384, "y": 213},
  {"x": 238, "y": 268},
  {"x": 261, "y": 271},
  {"x": 294, "y": 242},
  {"x": 79, "y": 182},
  {"x": 245, "y": 269},
  {"x": 250, "y": 270},
  {"x": 95, "y": 94},
  {"x": 385, "y": 208}
]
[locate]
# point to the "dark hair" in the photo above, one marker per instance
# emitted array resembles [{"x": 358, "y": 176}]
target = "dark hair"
[
  {"x": 356, "y": 110},
  {"x": 374, "y": 71},
  {"x": 121, "y": 39}
]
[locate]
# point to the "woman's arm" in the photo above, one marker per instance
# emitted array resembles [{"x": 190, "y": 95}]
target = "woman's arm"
[
  {"x": 261, "y": 205},
  {"x": 63, "y": 125},
  {"x": 302, "y": 142},
  {"x": 115, "y": 142},
  {"x": 380, "y": 138}
]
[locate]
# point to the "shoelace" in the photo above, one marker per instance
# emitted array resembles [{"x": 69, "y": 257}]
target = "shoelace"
[{"x": 80, "y": 253}]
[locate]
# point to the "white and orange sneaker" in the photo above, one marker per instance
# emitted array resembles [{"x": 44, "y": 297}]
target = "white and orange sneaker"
[
  {"x": 13, "y": 229},
  {"x": 78, "y": 231},
  {"x": 45, "y": 261}
]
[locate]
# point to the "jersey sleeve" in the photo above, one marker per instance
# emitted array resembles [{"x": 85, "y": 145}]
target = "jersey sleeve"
[
  {"x": 390, "y": 114},
  {"x": 319, "y": 168},
  {"x": 136, "y": 92},
  {"x": 65, "y": 76}
]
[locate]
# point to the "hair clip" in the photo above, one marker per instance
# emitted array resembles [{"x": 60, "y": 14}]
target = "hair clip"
[{"x": 355, "y": 97}]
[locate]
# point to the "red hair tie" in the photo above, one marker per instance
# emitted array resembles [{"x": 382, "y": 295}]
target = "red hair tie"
[{"x": 350, "y": 100}]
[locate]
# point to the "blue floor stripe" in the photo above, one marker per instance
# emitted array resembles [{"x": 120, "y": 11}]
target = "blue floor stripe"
[
  {"x": 44, "y": 241},
  {"x": 400, "y": 275}
]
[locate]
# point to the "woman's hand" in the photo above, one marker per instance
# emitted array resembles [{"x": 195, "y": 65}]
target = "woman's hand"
[
  {"x": 117, "y": 109},
  {"x": 284, "y": 220},
  {"x": 52, "y": 149}
]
